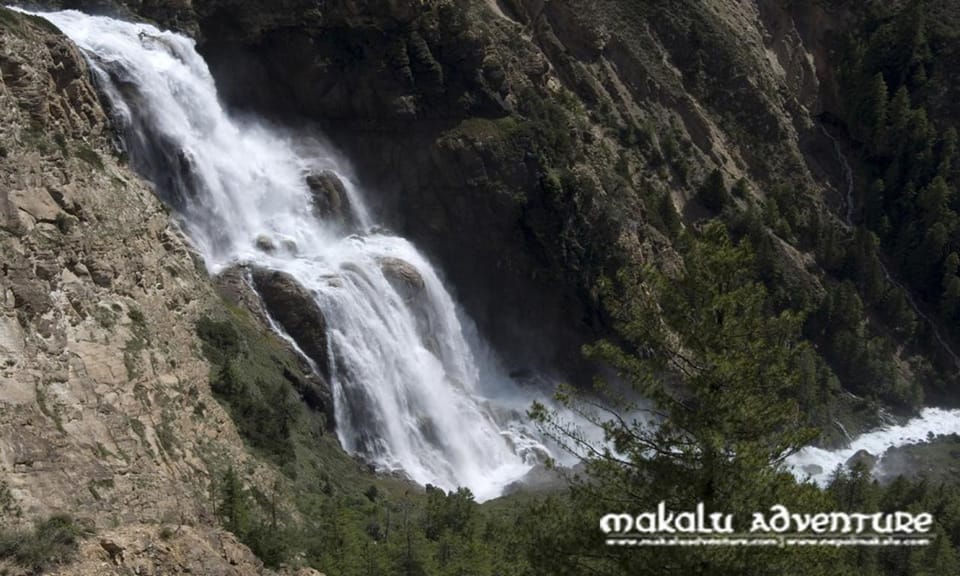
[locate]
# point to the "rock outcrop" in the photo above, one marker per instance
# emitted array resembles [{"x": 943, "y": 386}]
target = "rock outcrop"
[
  {"x": 161, "y": 550},
  {"x": 404, "y": 277},
  {"x": 105, "y": 407},
  {"x": 862, "y": 459},
  {"x": 296, "y": 311},
  {"x": 330, "y": 200},
  {"x": 531, "y": 147}
]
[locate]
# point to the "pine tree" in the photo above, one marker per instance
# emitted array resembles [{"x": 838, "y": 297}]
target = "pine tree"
[
  {"x": 876, "y": 108},
  {"x": 713, "y": 192},
  {"x": 950, "y": 286},
  {"x": 947, "y": 169},
  {"x": 950, "y": 299},
  {"x": 899, "y": 114},
  {"x": 933, "y": 201},
  {"x": 875, "y": 209},
  {"x": 233, "y": 505},
  {"x": 721, "y": 370}
]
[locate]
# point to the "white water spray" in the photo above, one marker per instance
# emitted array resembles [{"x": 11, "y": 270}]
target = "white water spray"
[
  {"x": 819, "y": 464},
  {"x": 407, "y": 389}
]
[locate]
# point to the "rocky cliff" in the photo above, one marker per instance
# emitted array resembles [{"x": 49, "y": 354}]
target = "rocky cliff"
[
  {"x": 106, "y": 412},
  {"x": 535, "y": 147}
]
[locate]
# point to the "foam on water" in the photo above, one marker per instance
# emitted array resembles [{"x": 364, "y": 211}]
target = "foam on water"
[{"x": 819, "y": 464}]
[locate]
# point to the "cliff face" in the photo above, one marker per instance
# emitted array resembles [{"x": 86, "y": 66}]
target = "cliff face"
[
  {"x": 532, "y": 147},
  {"x": 105, "y": 408}
]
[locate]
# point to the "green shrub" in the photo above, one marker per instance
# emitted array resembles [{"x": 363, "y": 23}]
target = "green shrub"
[
  {"x": 136, "y": 316},
  {"x": 251, "y": 382},
  {"x": 8, "y": 505},
  {"x": 64, "y": 222},
  {"x": 9, "y": 19},
  {"x": 89, "y": 156},
  {"x": 51, "y": 542},
  {"x": 221, "y": 341},
  {"x": 713, "y": 193},
  {"x": 105, "y": 317}
]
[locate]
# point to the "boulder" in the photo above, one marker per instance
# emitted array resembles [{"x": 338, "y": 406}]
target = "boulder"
[
  {"x": 409, "y": 284},
  {"x": 265, "y": 244},
  {"x": 404, "y": 277},
  {"x": 290, "y": 247},
  {"x": 862, "y": 458},
  {"x": 329, "y": 196},
  {"x": 102, "y": 273},
  {"x": 236, "y": 285},
  {"x": 294, "y": 309}
]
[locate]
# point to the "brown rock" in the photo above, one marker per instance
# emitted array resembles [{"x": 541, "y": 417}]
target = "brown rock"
[
  {"x": 265, "y": 243},
  {"x": 330, "y": 200},
  {"x": 102, "y": 273},
  {"x": 403, "y": 276},
  {"x": 236, "y": 286},
  {"x": 294, "y": 309},
  {"x": 863, "y": 458},
  {"x": 114, "y": 550}
]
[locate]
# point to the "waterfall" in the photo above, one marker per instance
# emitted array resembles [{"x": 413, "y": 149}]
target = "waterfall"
[{"x": 407, "y": 387}]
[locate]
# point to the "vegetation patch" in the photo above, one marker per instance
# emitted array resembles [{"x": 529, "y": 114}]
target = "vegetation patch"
[
  {"x": 166, "y": 434},
  {"x": 105, "y": 317},
  {"x": 50, "y": 543},
  {"x": 138, "y": 342},
  {"x": 10, "y": 20},
  {"x": 52, "y": 412},
  {"x": 486, "y": 129},
  {"x": 89, "y": 155},
  {"x": 8, "y": 505},
  {"x": 247, "y": 375},
  {"x": 330, "y": 512}
]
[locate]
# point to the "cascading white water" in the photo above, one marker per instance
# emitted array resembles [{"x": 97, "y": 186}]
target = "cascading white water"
[
  {"x": 819, "y": 464},
  {"x": 407, "y": 390}
]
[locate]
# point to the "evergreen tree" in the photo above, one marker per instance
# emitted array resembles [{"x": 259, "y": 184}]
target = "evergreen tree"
[
  {"x": 721, "y": 369},
  {"x": 950, "y": 299},
  {"x": 947, "y": 169},
  {"x": 900, "y": 113},
  {"x": 876, "y": 217},
  {"x": 876, "y": 108},
  {"x": 713, "y": 192},
  {"x": 233, "y": 506}
]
